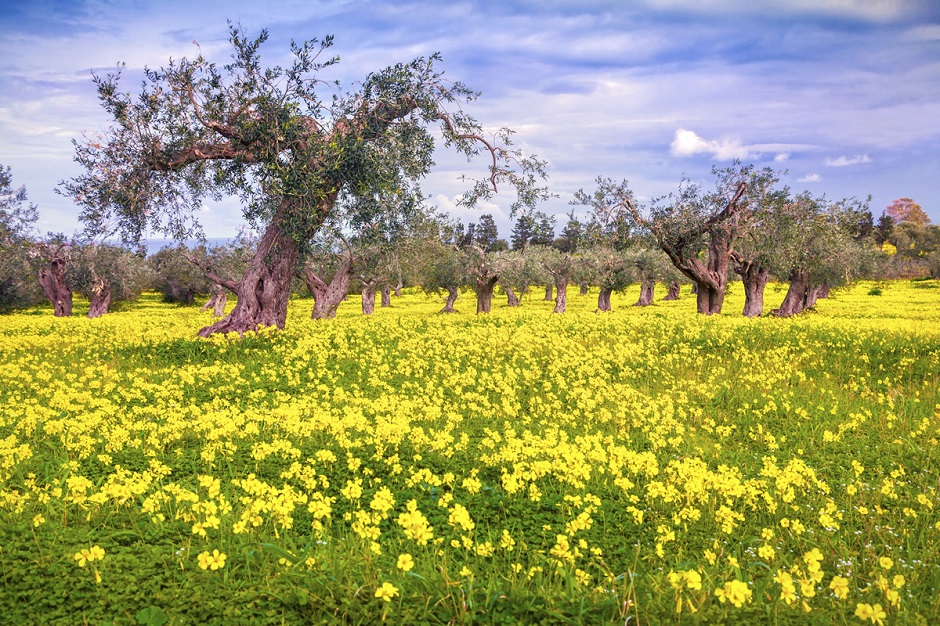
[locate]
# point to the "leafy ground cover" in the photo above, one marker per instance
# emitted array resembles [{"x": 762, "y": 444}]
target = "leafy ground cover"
[{"x": 645, "y": 466}]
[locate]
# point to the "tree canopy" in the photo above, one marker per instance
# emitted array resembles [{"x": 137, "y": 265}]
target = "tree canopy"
[{"x": 289, "y": 144}]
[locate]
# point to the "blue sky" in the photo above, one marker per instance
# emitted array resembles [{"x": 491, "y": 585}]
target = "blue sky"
[{"x": 844, "y": 94}]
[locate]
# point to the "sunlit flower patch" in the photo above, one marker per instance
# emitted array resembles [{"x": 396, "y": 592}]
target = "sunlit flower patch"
[{"x": 647, "y": 462}]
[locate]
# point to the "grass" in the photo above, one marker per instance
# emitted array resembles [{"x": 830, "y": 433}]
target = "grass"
[{"x": 537, "y": 468}]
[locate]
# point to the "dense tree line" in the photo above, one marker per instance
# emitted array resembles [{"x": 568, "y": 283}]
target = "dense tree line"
[
  {"x": 748, "y": 229},
  {"x": 332, "y": 187}
]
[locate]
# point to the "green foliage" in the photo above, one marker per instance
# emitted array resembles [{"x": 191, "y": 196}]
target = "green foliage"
[
  {"x": 18, "y": 286},
  {"x": 95, "y": 267},
  {"x": 289, "y": 143}
]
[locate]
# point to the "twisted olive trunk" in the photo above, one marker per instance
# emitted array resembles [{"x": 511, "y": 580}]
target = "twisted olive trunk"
[
  {"x": 548, "y": 292},
  {"x": 647, "y": 291},
  {"x": 812, "y": 294},
  {"x": 386, "y": 295},
  {"x": 511, "y": 298},
  {"x": 673, "y": 292},
  {"x": 217, "y": 303},
  {"x": 561, "y": 288},
  {"x": 368, "y": 298},
  {"x": 452, "y": 294},
  {"x": 795, "y": 300},
  {"x": 603, "y": 300},
  {"x": 264, "y": 290},
  {"x": 100, "y": 301},
  {"x": 485, "y": 287},
  {"x": 754, "y": 277},
  {"x": 52, "y": 281},
  {"x": 326, "y": 298}
]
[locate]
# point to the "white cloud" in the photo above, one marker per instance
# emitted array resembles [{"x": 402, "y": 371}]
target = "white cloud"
[
  {"x": 687, "y": 143},
  {"x": 782, "y": 157},
  {"x": 810, "y": 178},
  {"x": 844, "y": 161}
]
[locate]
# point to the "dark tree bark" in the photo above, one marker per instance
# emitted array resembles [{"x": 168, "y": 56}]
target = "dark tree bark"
[
  {"x": 368, "y": 298},
  {"x": 100, "y": 301},
  {"x": 561, "y": 288},
  {"x": 52, "y": 281},
  {"x": 452, "y": 294},
  {"x": 694, "y": 288},
  {"x": 603, "y": 300},
  {"x": 795, "y": 299},
  {"x": 386, "y": 292},
  {"x": 485, "y": 288},
  {"x": 548, "y": 292},
  {"x": 812, "y": 294},
  {"x": 673, "y": 293},
  {"x": 584, "y": 289},
  {"x": 647, "y": 291},
  {"x": 217, "y": 303},
  {"x": 754, "y": 277},
  {"x": 179, "y": 294},
  {"x": 511, "y": 298},
  {"x": 823, "y": 291},
  {"x": 264, "y": 290},
  {"x": 711, "y": 275},
  {"x": 326, "y": 298}
]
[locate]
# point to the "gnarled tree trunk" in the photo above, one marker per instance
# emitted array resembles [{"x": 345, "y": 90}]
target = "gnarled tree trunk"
[
  {"x": 709, "y": 299},
  {"x": 673, "y": 292},
  {"x": 264, "y": 290},
  {"x": 368, "y": 298},
  {"x": 603, "y": 300},
  {"x": 326, "y": 298},
  {"x": 584, "y": 289},
  {"x": 754, "y": 277},
  {"x": 485, "y": 288},
  {"x": 511, "y": 298},
  {"x": 217, "y": 303},
  {"x": 548, "y": 292},
  {"x": 561, "y": 288},
  {"x": 711, "y": 276},
  {"x": 824, "y": 290},
  {"x": 386, "y": 295},
  {"x": 100, "y": 301},
  {"x": 52, "y": 281},
  {"x": 647, "y": 291},
  {"x": 795, "y": 299},
  {"x": 452, "y": 294},
  {"x": 812, "y": 294}
]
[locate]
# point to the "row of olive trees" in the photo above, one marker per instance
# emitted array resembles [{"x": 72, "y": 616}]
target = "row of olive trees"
[
  {"x": 752, "y": 227},
  {"x": 813, "y": 244},
  {"x": 330, "y": 179},
  {"x": 54, "y": 267}
]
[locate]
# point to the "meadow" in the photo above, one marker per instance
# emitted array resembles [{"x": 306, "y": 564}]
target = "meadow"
[{"x": 645, "y": 466}]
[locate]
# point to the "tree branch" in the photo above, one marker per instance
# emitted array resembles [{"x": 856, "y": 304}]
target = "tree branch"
[{"x": 231, "y": 285}]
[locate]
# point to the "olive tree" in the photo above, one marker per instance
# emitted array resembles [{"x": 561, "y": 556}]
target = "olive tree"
[
  {"x": 520, "y": 270},
  {"x": 52, "y": 256},
  {"x": 18, "y": 287},
  {"x": 105, "y": 274},
  {"x": 814, "y": 251},
  {"x": 175, "y": 277},
  {"x": 268, "y": 135}
]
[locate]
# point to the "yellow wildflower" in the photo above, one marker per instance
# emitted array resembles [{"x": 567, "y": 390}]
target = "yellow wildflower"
[{"x": 386, "y": 592}]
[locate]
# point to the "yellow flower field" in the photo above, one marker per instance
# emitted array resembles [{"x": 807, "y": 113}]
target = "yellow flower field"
[{"x": 521, "y": 467}]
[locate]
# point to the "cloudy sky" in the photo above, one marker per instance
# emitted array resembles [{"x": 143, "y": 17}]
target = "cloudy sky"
[{"x": 843, "y": 94}]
